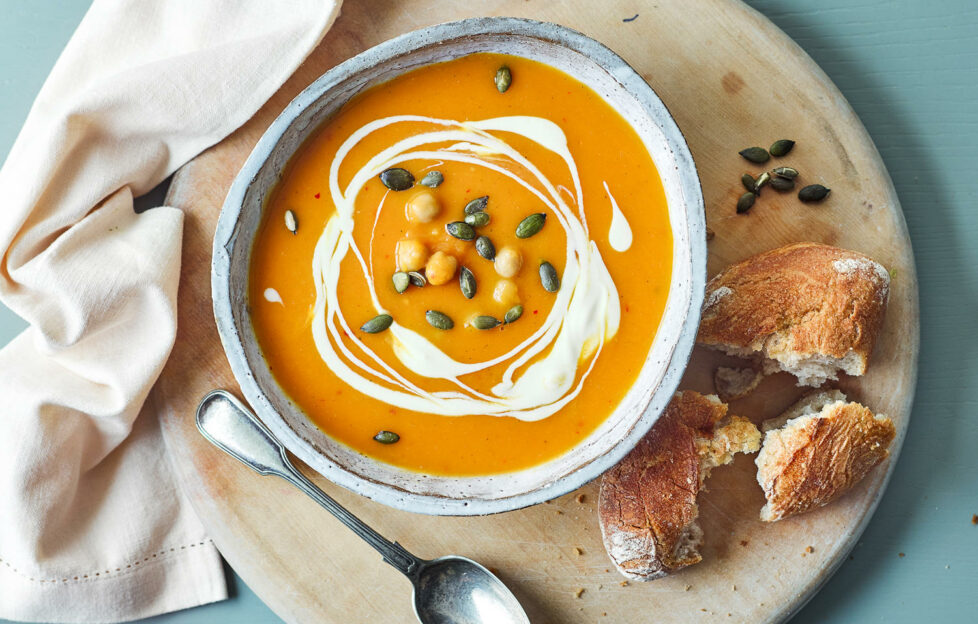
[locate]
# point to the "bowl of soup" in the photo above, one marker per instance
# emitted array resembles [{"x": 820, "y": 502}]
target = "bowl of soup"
[{"x": 462, "y": 272}]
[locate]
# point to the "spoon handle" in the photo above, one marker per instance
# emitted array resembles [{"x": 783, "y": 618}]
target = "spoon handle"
[{"x": 231, "y": 427}]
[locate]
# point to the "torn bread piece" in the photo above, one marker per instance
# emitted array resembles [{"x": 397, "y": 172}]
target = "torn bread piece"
[
  {"x": 809, "y": 309},
  {"x": 818, "y": 449},
  {"x": 735, "y": 383},
  {"x": 647, "y": 503}
]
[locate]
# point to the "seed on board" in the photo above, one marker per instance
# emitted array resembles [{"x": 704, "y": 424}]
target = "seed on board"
[
  {"x": 401, "y": 281},
  {"x": 504, "y": 78},
  {"x": 466, "y": 281},
  {"x": 781, "y": 147},
  {"x": 782, "y": 184},
  {"x": 432, "y": 179},
  {"x": 478, "y": 204},
  {"x": 387, "y": 437},
  {"x": 477, "y": 219},
  {"x": 531, "y": 225},
  {"x": 417, "y": 279},
  {"x": 513, "y": 314},
  {"x": 745, "y": 202},
  {"x": 785, "y": 172},
  {"x": 290, "y": 221},
  {"x": 377, "y": 324},
  {"x": 397, "y": 179},
  {"x": 548, "y": 277},
  {"x": 485, "y": 248},
  {"x": 749, "y": 182},
  {"x": 813, "y": 193},
  {"x": 762, "y": 179},
  {"x": 756, "y": 154},
  {"x": 460, "y": 230},
  {"x": 485, "y": 322},
  {"x": 439, "y": 320}
]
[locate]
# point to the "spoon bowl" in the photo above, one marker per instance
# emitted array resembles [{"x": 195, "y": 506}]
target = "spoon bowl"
[{"x": 457, "y": 590}]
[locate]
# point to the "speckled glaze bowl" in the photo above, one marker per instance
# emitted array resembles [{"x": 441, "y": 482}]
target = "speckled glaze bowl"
[{"x": 612, "y": 78}]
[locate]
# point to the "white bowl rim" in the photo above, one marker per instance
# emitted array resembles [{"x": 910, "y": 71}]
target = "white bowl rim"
[{"x": 225, "y": 239}]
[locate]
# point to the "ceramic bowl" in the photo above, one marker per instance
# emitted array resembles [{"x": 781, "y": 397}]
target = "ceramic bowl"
[{"x": 612, "y": 78}]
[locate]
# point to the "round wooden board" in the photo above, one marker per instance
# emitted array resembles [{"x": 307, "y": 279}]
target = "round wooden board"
[{"x": 732, "y": 80}]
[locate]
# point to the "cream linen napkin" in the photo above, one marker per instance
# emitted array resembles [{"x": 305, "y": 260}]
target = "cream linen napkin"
[{"x": 92, "y": 525}]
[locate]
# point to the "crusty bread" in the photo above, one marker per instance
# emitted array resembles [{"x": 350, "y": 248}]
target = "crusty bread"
[
  {"x": 647, "y": 503},
  {"x": 819, "y": 448},
  {"x": 808, "y": 309},
  {"x": 735, "y": 383}
]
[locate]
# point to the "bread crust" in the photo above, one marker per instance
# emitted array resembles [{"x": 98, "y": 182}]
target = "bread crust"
[
  {"x": 813, "y": 459},
  {"x": 647, "y": 503},
  {"x": 806, "y": 300}
]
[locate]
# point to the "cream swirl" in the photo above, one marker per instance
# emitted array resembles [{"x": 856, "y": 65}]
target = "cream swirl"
[{"x": 585, "y": 312}]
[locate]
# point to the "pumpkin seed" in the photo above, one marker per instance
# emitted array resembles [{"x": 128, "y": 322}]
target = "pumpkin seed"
[
  {"x": 762, "y": 179},
  {"x": 417, "y": 279},
  {"x": 513, "y": 314},
  {"x": 756, "y": 154},
  {"x": 745, "y": 202},
  {"x": 504, "y": 78},
  {"x": 477, "y": 219},
  {"x": 397, "y": 179},
  {"x": 432, "y": 179},
  {"x": 749, "y": 182},
  {"x": 531, "y": 225},
  {"x": 401, "y": 281},
  {"x": 387, "y": 437},
  {"x": 466, "y": 281},
  {"x": 485, "y": 248},
  {"x": 485, "y": 322},
  {"x": 781, "y": 147},
  {"x": 782, "y": 184},
  {"x": 291, "y": 224},
  {"x": 548, "y": 277},
  {"x": 439, "y": 320},
  {"x": 785, "y": 172},
  {"x": 813, "y": 193},
  {"x": 377, "y": 324},
  {"x": 477, "y": 205},
  {"x": 460, "y": 230}
]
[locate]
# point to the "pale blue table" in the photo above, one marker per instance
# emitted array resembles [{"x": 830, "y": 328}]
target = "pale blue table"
[{"x": 910, "y": 70}]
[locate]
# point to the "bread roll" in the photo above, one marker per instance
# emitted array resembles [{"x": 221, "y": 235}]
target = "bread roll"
[
  {"x": 816, "y": 451},
  {"x": 809, "y": 309},
  {"x": 647, "y": 503}
]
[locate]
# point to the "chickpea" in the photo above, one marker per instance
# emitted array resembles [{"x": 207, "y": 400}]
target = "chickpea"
[
  {"x": 411, "y": 255},
  {"x": 440, "y": 268},
  {"x": 508, "y": 262},
  {"x": 505, "y": 293},
  {"x": 423, "y": 207}
]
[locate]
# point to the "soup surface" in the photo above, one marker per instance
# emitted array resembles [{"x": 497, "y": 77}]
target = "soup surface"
[{"x": 477, "y": 398}]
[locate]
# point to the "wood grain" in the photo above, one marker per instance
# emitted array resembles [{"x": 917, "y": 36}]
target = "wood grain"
[{"x": 732, "y": 80}]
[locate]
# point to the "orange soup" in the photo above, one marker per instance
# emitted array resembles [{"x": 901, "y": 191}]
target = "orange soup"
[{"x": 462, "y": 271}]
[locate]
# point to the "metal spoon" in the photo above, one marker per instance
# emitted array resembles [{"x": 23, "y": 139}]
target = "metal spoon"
[{"x": 447, "y": 590}]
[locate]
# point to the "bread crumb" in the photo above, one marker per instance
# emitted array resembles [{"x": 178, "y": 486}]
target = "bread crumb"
[
  {"x": 974, "y": 518},
  {"x": 809, "y": 550},
  {"x": 600, "y": 586},
  {"x": 604, "y": 614},
  {"x": 710, "y": 233},
  {"x": 606, "y": 570},
  {"x": 578, "y": 551},
  {"x": 735, "y": 588},
  {"x": 624, "y": 583},
  {"x": 744, "y": 543},
  {"x": 901, "y": 555},
  {"x": 688, "y": 587},
  {"x": 558, "y": 512},
  {"x": 579, "y": 592},
  {"x": 580, "y": 498}
]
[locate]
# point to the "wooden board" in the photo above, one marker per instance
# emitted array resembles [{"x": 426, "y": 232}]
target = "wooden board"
[{"x": 732, "y": 80}]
